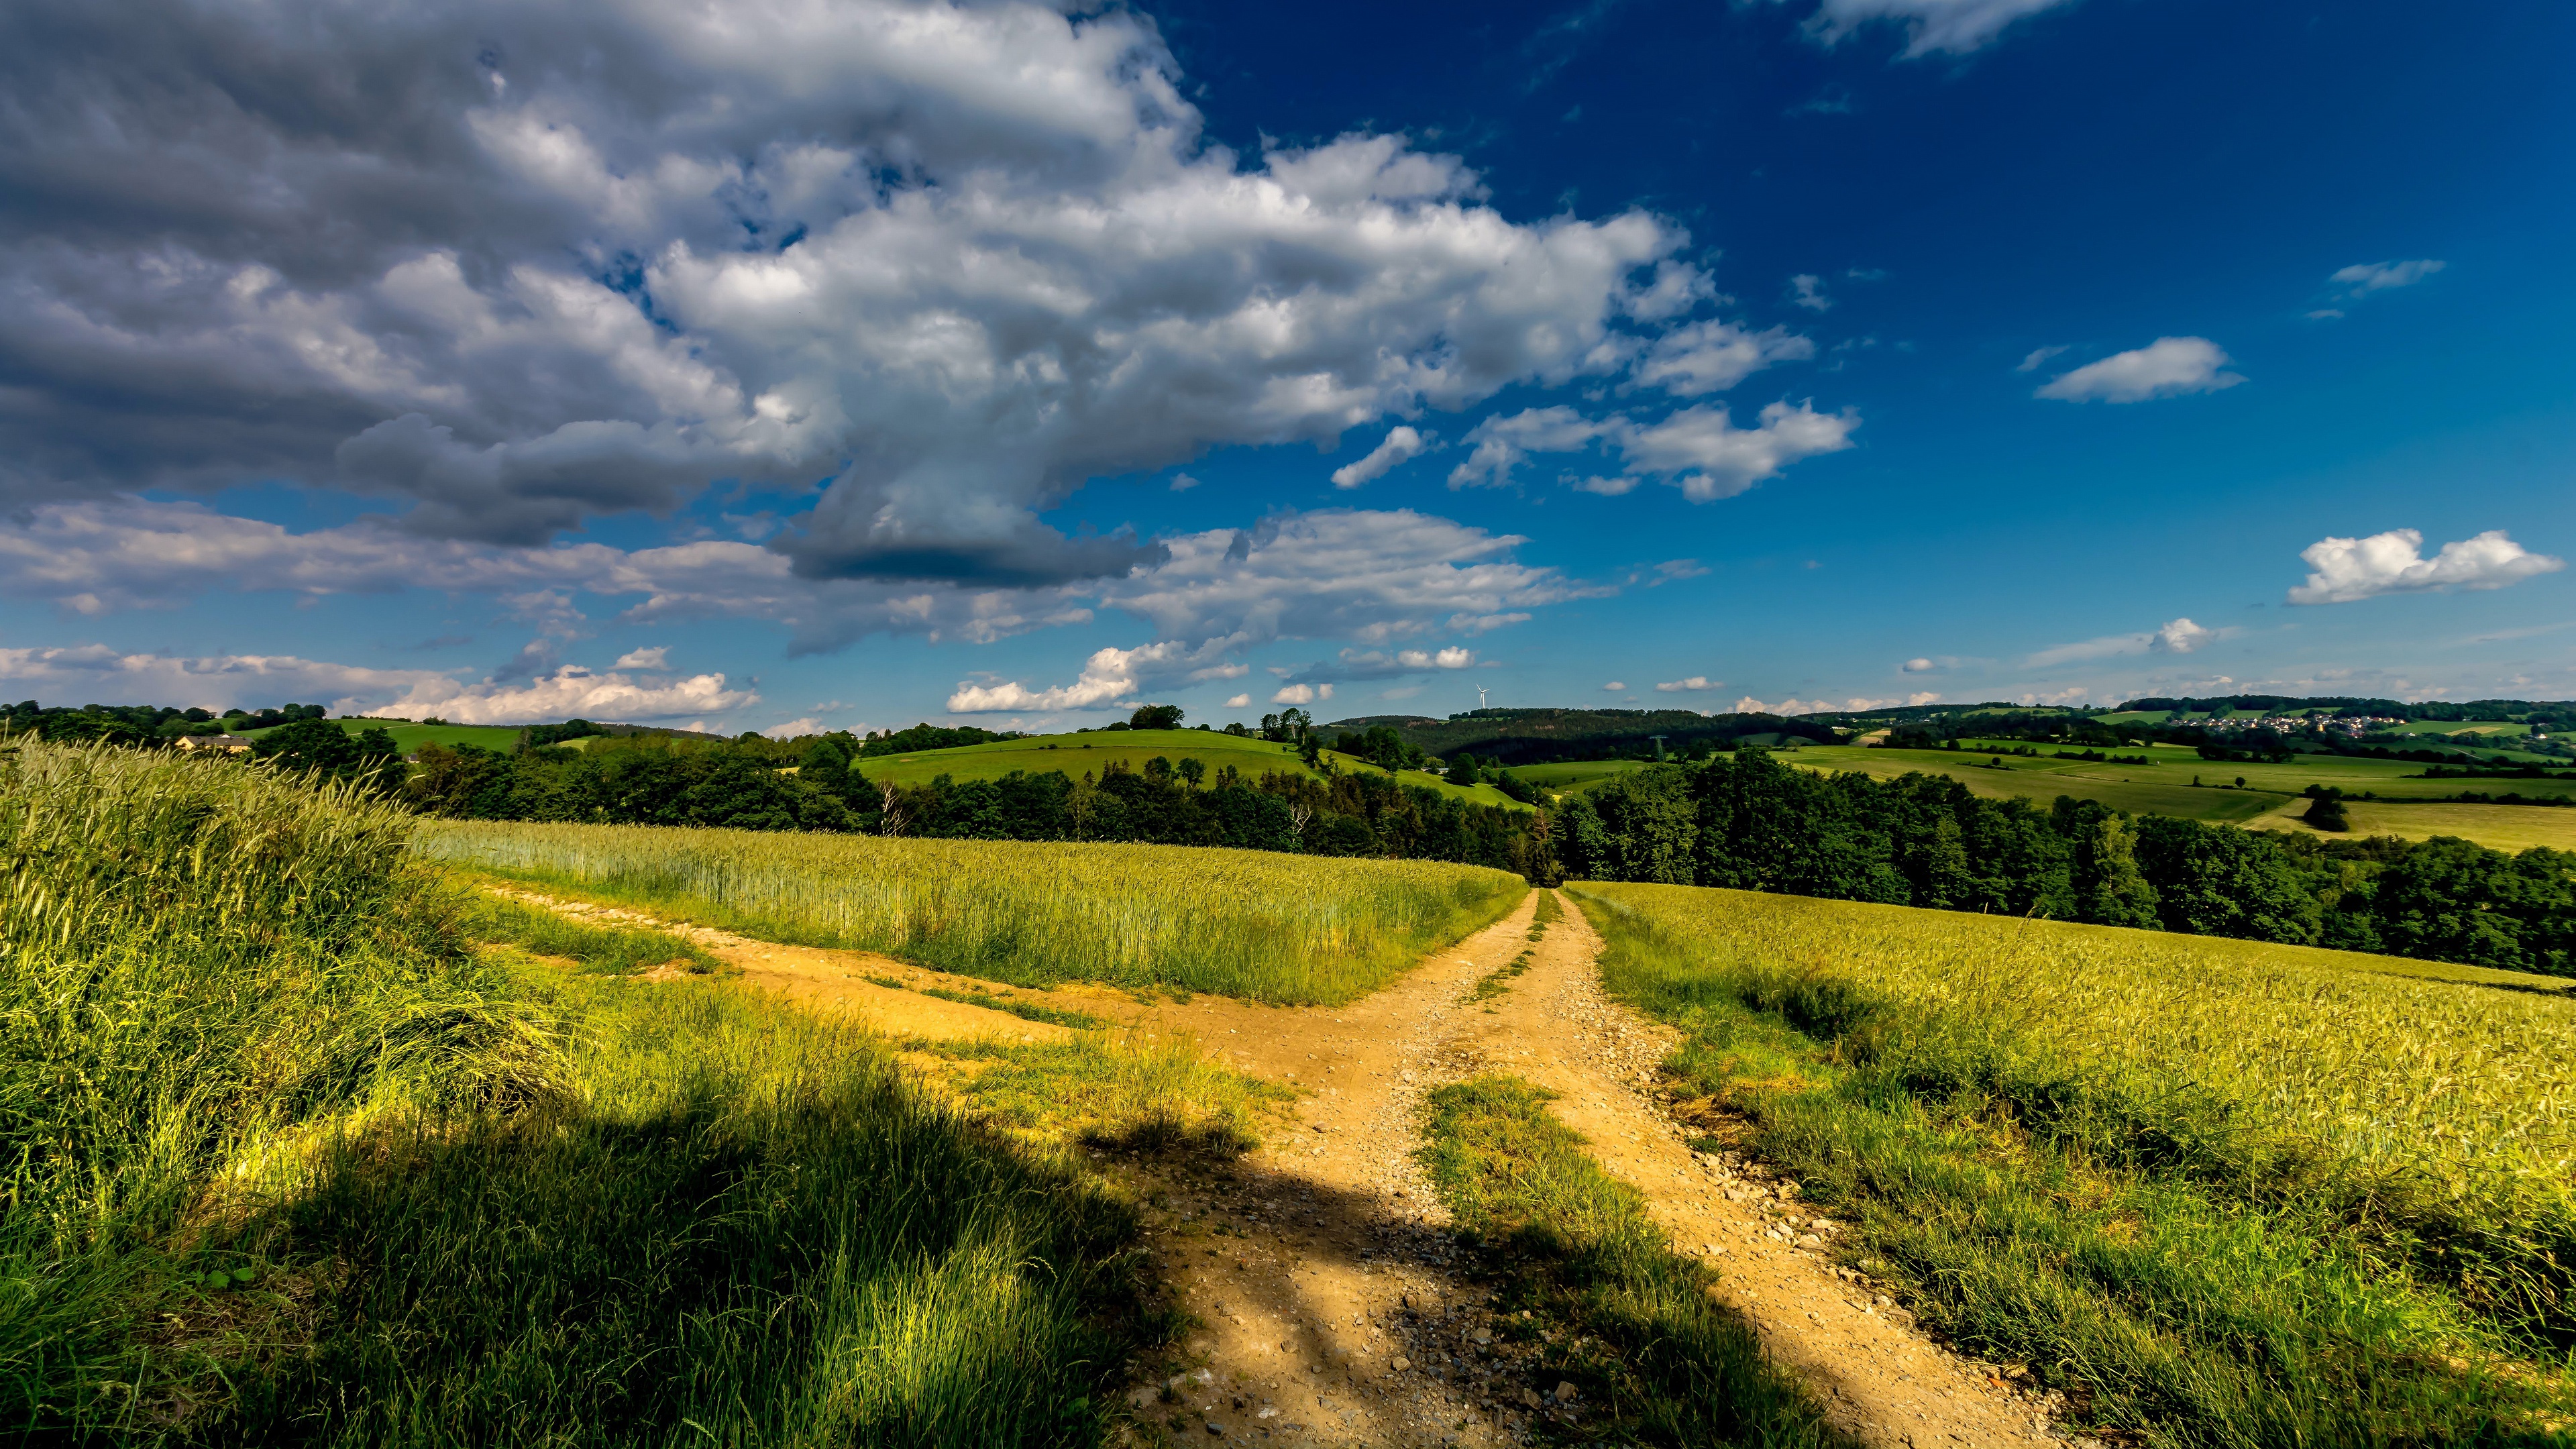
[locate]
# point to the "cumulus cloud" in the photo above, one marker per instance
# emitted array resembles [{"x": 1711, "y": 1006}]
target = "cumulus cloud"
[
  {"x": 1613, "y": 687},
  {"x": 1808, "y": 290},
  {"x": 1402, "y": 444},
  {"x": 2363, "y": 278},
  {"x": 657, "y": 658},
  {"x": 1919, "y": 666},
  {"x": 1713, "y": 356},
  {"x": 2181, "y": 636},
  {"x": 1697, "y": 449},
  {"x": 1108, "y": 676},
  {"x": 794, "y": 729},
  {"x": 2166, "y": 367},
  {"x": 2343, "y": 570},
  {"x": 571, "y": 692},
  {"x": 519, "y": 267},
  {"x": 1302, "y": 694},
  {"x": 2037, "y": 355},
  {"x": 1749, "y": 705},
  {"x": 1237, "y": 701},
  {"x": 1693, "y": 685},
  {"x": 1954, "y": 27}
]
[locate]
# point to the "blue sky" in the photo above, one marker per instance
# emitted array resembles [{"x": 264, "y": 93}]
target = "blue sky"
[{"x": 995, "y": 364}]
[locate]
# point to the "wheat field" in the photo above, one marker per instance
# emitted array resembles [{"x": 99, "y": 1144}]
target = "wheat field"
[
  {"x": 1292, "y": 930},
  {"x": 2237, "y": 1193}
]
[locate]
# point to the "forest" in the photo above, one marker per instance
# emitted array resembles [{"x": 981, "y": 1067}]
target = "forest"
[{"x": 1749, "y": 822}]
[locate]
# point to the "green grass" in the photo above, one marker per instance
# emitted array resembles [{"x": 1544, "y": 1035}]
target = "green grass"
[
  {"x": 2222, "y": 1193},
  {"x": 456, "y": 1198},
  {"x": 1293, "y": 930},
  {"x": 1078, "y": 754},
  {"x": 1573, "y": 776},
  {"x": 613, "y": 950},
  {"x": 410, "y": 737},
  {"x": 1611, "y": 1307}
]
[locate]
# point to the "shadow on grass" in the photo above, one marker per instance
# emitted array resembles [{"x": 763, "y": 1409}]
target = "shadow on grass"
[{"x": 742, "y": 1228}]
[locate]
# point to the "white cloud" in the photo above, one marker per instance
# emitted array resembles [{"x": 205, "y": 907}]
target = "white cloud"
[
  {"x": 1713, "y": 356},
  {"x": 1183, "y": 482},
  {"x": 1701, "y": 451},
  {"x": 2174, "y": 636},
  {"x": 1237, "y": 701},
  {"x": 1693, "y": 685},
  {"x": 1402, "y": 444},
  {"x": 2363, "y": 278},
  {"x": 1928, "y": 696},
  {"x": 1696, "y": 449},
  {"x": 1302, "y": 694},
  {"x": 1613, "y": 687},
  {"x": 2166, "y": 367},
  {"x": 217, "y": 681},
  {"x": 794, "y": 729},
  {"x": 1109, "y": 675},
  {"x": 1749, "y": 705},
  {"x": 568, "y": 693},
  {"x": 1808, "y": 291},
  {"x": 1953, "y": 26},
  {"x": 2347, "y": 569},
  {"x": 1919, "y": 666},
  {"x": 2181, "y": 636},
  {"x": 2036, "y": 356},
  {"x": 657, "y": 658}
]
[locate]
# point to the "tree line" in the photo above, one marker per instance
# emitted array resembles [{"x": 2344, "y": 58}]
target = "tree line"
[
  {"x": 1751, "y": 823},
  {"x": 821, "y": 783}
]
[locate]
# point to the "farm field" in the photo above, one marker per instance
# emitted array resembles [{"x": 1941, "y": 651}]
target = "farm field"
[
  {"x": 1080, "y": 753},
  {"x": 410, "y": 737},
  {"x": 2225, "y": 1193},
  {"x": 1572, "y": 776},
  {"x": 2497, "y": 827},
  {"x": 1284, "y": 929},
  {"x": 2163, "y": 788}
]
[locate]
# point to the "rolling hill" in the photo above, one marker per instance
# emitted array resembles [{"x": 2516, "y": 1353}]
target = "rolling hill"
[{"x": 1080, "y": 754}]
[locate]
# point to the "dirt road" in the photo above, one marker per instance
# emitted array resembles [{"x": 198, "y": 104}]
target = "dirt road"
[{"x": 1334, "y": 1307}]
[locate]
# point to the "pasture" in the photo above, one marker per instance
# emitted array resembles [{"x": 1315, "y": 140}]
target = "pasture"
[
  {"x": 1284, "y": 929},
  {"x": 1080, "y": 754},
  {"x": 410, "y": 737},
  {"x": 1569, "y": 777},
  {"x": 2224, "y": 1193}
]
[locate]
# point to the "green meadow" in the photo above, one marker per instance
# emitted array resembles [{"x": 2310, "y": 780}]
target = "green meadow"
[
  {"x": 1573, "y": 776},
  {"x": 1080, "y": 754},
  {"x": 410, "y": 737}
]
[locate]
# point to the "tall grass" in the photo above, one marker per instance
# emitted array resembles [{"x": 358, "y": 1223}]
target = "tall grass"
[
  {"x": 196, "y": 960},
  {"x": 1287, "y": 929},
  {"x": 2228, "y": 1193},
  {"x": 243, "y": 1033}
]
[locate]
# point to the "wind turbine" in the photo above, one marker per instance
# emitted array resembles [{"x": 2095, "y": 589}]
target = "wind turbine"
[{"x": 1480, "y": 696}]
